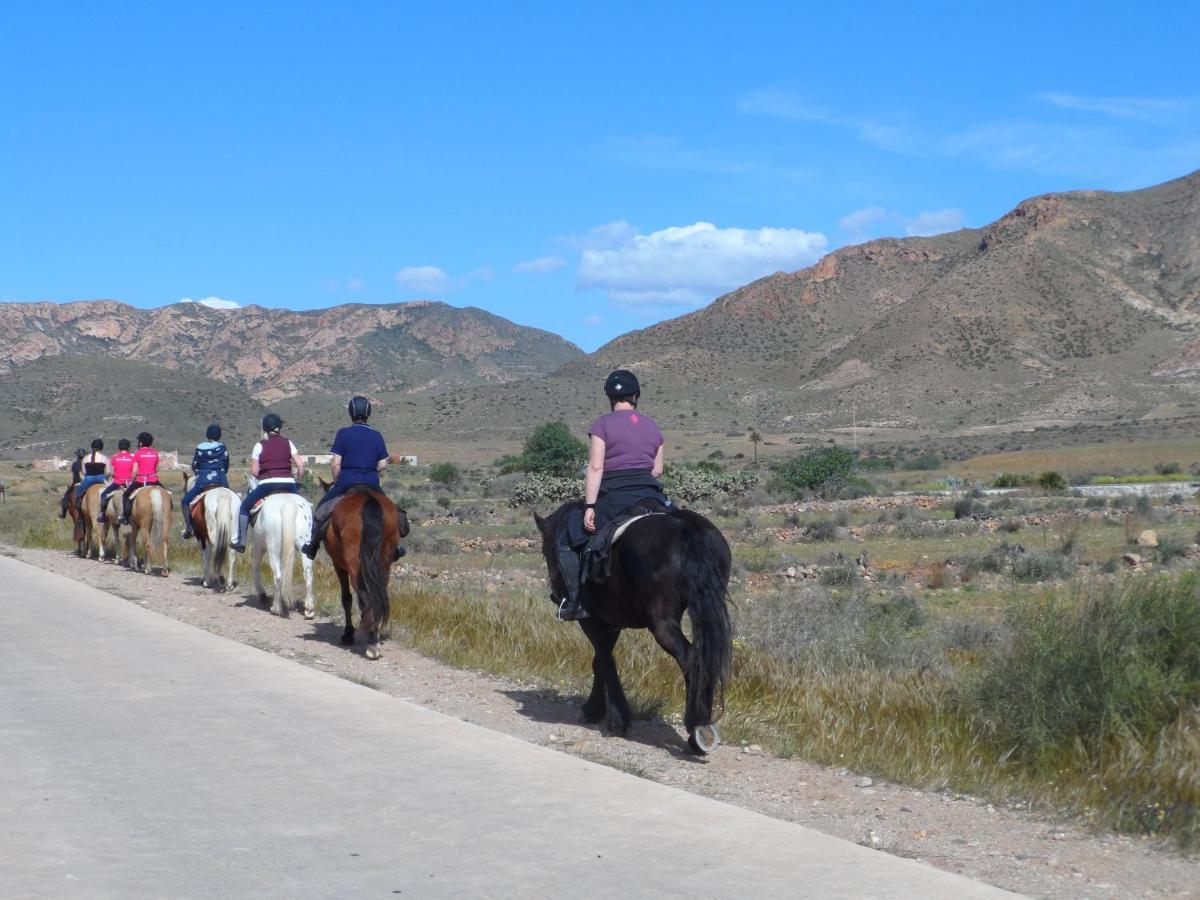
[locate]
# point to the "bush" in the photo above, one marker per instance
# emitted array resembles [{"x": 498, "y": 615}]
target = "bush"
[
  {"x": 926, "y": 462},
  {"x": 445, "y": 473},
  {"x": 1079, "y": 671},
  {"x": 1168, "y": 468},
  {"x": 1042, "y": 565},
  {"x": 1012, "y": 480},
  {"x": 842, "y": 573},
  {"x": 970, "y": 508},
  {"x": 1051, "y": 481},
  {"x": 553, "y": 450},
  {"x": 536, "y": 489},
  {"x": 692, "y": 483},
  {"x": 822, "y": 530},
  {"x": 813, "y": 471}
]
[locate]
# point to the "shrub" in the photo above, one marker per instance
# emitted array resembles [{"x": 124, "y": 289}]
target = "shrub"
[
  {"x": 969, "y": 508},
  {"x": 553, "y": 450},
  {"x": 431, "y": 540},
  {"x": 535, "y": 489},
  {"x": 1079, "y": 671},
  {"x": 1012, "y": 480},
  {"x": 813, "y": 470},
  {"x": 842, "y": 573},
  {"x": 1042, "y": 565},
  {"x": 926, "y": 462},
  {"x": 1169, "y": 548},
  {"x": 1168, "y": 468},
  {"x": 822, "y": 530},
  {"x": 1095, "y": 502},
  {"x": 1051, "y": 481},
  {"x": 445, "y": 473},
  {"x": 692, "y": 483}
]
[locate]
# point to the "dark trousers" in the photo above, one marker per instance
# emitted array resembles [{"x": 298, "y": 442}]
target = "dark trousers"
[
  {"x": 107, "y": 492},
  {"x": 127, "y": 497},
  {"x": 205, "y": 478},
  {"x": 266, "y": 490}
]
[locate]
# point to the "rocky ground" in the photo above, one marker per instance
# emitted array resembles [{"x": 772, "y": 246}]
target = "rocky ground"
[{"x": 1010, "y": 848}]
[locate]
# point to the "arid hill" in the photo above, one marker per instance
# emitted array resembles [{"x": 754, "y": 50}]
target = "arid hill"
[
  {"x": 1073, "y": 308},
  {"x": 276, "y": 353}
]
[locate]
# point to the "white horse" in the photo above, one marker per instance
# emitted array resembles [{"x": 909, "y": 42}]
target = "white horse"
[
  {"x": 214, "y": 532},
  {"x": 283, "y": 526}
]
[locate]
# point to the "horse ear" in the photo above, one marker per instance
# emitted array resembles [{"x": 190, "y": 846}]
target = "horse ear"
[{"x": 540, "y": 522}]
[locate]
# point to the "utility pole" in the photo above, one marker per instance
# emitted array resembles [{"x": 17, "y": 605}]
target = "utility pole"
[{"x": 854, "y": 423}]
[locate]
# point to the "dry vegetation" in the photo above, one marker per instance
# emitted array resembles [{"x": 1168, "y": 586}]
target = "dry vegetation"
[{"x": 1018, "y": 647}]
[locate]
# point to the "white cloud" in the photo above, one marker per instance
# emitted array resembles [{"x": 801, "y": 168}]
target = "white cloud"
[
  {"x": 423, "y": 279},
  {"x": 213, "y": 302},
  {"x": 593, "y": 320},
  {"x": 540, "y": 265},
  {"x": 934, "y": 222},
  {"x": 860, "y": 224},
  {"x": 602, "y": 237},
  {"x": 689, "y": 265},
  {"x": 1145, "y": 109}
]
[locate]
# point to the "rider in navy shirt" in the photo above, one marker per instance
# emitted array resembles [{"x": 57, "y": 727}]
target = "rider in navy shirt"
[
  {"x": 210, "y": 465},
  {"x": 359, "y": 455}
]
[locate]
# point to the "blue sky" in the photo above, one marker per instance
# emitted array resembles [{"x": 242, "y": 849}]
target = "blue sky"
[{"x": 588, "y": 169}]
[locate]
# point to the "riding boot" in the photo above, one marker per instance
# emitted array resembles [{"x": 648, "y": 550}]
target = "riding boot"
[
  {"x": 238, "y": 545},
  {"x": 187, "y": 523},
  {"x": 126, "y": 510},
  {"x": 314, "y": 543},
  {"x": 569, "y": 608},
  {"x": 398, "y": 553}
]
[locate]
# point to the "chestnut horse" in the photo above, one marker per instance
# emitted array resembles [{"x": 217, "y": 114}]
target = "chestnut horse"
[
  {"x": 87, "y": 518},
  {"x": 152, "y": 515},
  {"x": 361, "y": 541},
  {"x": 662, "y": 566}
]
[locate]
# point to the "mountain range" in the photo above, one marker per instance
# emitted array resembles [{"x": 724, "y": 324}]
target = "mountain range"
[{"x": 1074, "y": 308}]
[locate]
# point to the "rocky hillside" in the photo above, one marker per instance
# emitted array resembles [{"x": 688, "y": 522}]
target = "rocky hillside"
[
  {"x": 1072, "y": 308},
  {"x": 421, "y": 347}
]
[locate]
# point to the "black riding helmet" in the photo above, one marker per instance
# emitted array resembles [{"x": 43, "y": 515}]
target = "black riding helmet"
[
  {"x": 621, "y": 385},
  {"x": 271, "y": 422},
  {"x": 359, "y": 409},
  {"x": 145, "y": 439},
  {"x": 214, "y": 432}
]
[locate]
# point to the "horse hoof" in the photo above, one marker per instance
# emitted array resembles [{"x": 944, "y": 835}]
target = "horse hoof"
[
  {"x": 704, "y": 740},
  {"x": 309, "y": 614},
  {"x": 592, "y": 715},
  {"x": 264, "y": 599},
  {"x": 347, "y": 639},
  {"x": 373, "y": 651}
]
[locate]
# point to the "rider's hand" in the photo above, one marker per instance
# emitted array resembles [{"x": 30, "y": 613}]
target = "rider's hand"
[{"x": 589, "y": 520}]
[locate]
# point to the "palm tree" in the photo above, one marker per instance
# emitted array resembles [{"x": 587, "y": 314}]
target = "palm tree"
[{"x": 755, "y": 439}]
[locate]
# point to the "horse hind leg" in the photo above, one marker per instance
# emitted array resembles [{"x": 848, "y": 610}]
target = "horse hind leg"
[{"x": 347, "y": 606}]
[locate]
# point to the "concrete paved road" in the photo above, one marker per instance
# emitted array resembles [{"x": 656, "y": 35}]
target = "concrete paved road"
[{"x": 142, "y": 757}]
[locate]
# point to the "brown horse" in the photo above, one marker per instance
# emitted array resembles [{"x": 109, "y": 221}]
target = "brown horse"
[
  {"x": 361, "y": 541},
  {"x": 152, "y": 515}
]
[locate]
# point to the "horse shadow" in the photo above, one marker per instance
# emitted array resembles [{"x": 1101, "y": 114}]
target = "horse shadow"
[{"x": 554, "y": 708}]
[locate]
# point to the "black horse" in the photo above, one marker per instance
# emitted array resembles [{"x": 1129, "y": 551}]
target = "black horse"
[{"x": 662, "y": 565}]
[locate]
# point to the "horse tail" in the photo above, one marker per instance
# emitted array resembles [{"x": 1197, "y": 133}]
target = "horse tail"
[
  {"x": 157, "y": 528},
  {"x": 372, "y": 568},
  {"x": 219, "y": 537},
  {"x": 287, "y": 552},
  {"x": 706, "y": 578}
]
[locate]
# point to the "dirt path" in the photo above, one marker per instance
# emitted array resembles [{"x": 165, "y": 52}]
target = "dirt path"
[{"x": 1007, "y": 848}]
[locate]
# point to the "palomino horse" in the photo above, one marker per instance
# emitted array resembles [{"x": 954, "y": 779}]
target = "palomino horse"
[
  {"x": 114, "y": 537},
  {"x": 361, "y": 541},
  {"x": 214, "y": 520},
  {"x": 283, "y": 526},
  {"x": 87, "y": 525},
  {"x": 661, "y": 566},
  {"x": 152, "y": 515}
]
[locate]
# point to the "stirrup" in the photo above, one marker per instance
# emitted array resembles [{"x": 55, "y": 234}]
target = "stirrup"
[{"x": 571, "y": 612}]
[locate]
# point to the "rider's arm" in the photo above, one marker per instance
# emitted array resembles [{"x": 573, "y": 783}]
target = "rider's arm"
[
  {"x": 335, "y": 465},
  {"x": 657, "y": 469},
  {"x": 254, "y": 466},
  {"x": 595, "y": 469},
  {"x": 298, "y": 464}
]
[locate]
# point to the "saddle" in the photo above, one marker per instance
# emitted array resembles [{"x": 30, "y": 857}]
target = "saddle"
[
  {"x": 200, "y": 496},
  {"x": 597, "y": 553}
]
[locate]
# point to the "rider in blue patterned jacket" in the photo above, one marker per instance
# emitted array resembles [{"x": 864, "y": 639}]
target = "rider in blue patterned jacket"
[{"x": 210, "y": 463}]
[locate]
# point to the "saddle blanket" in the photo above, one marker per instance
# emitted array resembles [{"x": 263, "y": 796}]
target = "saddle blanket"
[{"x": 597, "y": 553}]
